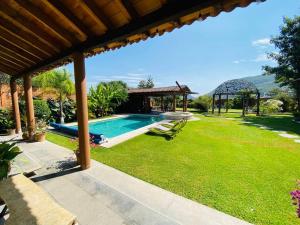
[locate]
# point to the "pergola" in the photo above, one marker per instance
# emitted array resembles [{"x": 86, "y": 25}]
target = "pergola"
[
  {"x": 143, "y": 94},
  {"x": 36, "y": 36},
  {"x": 236, "y": 87}
]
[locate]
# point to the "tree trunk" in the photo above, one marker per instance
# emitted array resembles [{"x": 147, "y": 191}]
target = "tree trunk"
[{"x": 62, "y": 119}]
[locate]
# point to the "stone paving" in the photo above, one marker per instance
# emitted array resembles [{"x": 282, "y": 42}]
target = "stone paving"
[{"x": 104, "y": 195}]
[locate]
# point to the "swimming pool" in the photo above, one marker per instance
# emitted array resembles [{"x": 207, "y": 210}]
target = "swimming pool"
[{"x": 114, "y": 127}]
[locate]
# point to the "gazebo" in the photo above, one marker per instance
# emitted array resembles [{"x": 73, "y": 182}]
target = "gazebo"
[
  {"x": 37, "y": 36},
  {"x": 235, "y": 87},
  {"x": 139, "y": 98}
]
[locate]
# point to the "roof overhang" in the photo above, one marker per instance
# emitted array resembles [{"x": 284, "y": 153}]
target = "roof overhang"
[{"x": 40, "y": 35}]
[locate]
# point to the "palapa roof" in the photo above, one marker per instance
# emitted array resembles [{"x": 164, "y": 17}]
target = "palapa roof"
[
  {"x": 161, "y": 90},
  {"x": 235, "y": 87},
  {"x": 39, "y": 35}
]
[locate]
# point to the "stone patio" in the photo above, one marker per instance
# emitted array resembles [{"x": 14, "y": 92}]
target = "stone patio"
[{"x": 104, "y": 195}]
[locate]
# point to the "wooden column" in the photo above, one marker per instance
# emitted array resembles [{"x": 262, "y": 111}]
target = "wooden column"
[
  {"x": 174, "y": 103},
  {"x": 213, "y": 104},
  {"x": 29, "y": 105},
  {"x": 219, "y": 111},
  {"x": 162, "y": 103},
  {"x": 82, "y": 110},
  {"x": 15, "y": 105},
  {"x": 257, "y": 104}
]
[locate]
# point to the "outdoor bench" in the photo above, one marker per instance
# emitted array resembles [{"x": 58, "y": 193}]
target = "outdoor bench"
[{"x": 28, "y": 204}]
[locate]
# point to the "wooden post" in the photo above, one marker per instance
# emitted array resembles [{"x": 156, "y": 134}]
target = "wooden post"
[
  {"x": 258, "y": 103},
  {"x": 29, "y": 105},
  {"x": 82, "y": 110},
  {"x": 15, "y": 104},
  {"x": 243, "y": 103},
  {"x": 213, "y": 104},
  {"x": 227, "y": 102},
  {"x": 162, "y": 103},
  {"x": 174, "y": 103},
  {"x": 219, "y": 110}
]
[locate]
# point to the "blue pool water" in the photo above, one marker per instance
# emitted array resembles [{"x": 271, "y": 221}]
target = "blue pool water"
[{"x": 114, "y": 127}]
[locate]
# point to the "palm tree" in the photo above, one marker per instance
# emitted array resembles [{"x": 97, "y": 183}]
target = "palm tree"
[{"x": 58, "y": 82}]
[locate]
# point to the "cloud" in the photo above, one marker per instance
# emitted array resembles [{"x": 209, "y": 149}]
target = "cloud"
[
  {"x": 262, "y": 58},
  {"x": 239, "y": 61},
  {"x": 264, "y": 42}
]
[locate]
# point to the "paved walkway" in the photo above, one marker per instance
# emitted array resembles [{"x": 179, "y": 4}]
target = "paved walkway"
[{"x": 103, "y": 195}]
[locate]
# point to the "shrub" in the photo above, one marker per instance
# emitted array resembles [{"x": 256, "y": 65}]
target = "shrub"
[
  {"x": 6, "y": 120},
  {"x": 69, "y": 110},
  {"x": 271, "y": 106},
  {"x": 202, "y": 103},
  {"x": 41, "y": 110}
]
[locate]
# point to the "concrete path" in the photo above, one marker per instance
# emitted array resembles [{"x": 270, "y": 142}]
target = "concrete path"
[{"x": 103, "y": 195}]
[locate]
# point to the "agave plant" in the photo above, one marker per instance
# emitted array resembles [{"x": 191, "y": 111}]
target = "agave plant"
[{"x": 8, "y": 151}]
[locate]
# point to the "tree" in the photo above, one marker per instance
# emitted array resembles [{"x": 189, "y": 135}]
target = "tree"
[
  {"x": 284, "y": 96},
  {"x": 202, "y": 103},
  {"x": 146, "y": 83},
  {"x": 287, "y": 72},
  {"x": 106, "y": 96},
  {"x": 58, "y": 82},
  {"x": 4, "y": 80}
]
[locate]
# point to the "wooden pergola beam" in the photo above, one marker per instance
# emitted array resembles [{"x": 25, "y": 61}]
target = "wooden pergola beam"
[
  {"x": 8, "y": 56},
  {"x": 130, "y": 9},
  {"x": 169, "y": 12},
  {"x": 59, "y": 6},
  {"x": 24, "y": 23},
  {"x": 10, "y": 63}
]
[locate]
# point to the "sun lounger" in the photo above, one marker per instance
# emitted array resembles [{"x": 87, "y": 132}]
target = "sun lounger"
[
  {"x": 28, "y": 204},
  {"x": 172, "y": 130}
]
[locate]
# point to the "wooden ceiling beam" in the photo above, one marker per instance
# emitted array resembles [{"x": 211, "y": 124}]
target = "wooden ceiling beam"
[
  {"x": 25, "y": 24},
  {"x": 6, "y": 70},
  {"x": 170, "y": 11},
  {"x": 21, "y": 44},
  {"x": 16, "y": 54},
  {"x": 93, "y": 7},
  {"x": 46, "y": 20},
  {"x": 4, "y": 59},
  {"x": 130, "y": 9},
  {"x": 70, "y": 16},
  {"x": 9, "y": 66},
  {"x": 14, "y": 58},
  {"x": 18, "y": 50}
]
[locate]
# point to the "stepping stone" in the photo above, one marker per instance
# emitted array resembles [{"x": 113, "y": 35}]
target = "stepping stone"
[
  {"x": 297, "y": 141},
  {"x": 279, "y": 131},
  {"x": 247, "y": 122},
  {"x": 264, "y": 128},
  {"x": 288, "y": 135}
]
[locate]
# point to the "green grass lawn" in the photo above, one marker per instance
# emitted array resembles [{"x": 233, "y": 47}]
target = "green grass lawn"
[{"x": 236, "y": 168}]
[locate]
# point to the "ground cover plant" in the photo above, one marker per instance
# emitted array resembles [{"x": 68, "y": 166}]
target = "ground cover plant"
[{"x": 234, "y": 167}]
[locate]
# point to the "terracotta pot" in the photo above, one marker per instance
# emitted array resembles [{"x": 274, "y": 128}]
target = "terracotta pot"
[
  {"x": 40, "y": 137},
  {"x": 77, "y": 153},
  {"x": 25, "y": 136},
  {"x": 11, "y": 131}
]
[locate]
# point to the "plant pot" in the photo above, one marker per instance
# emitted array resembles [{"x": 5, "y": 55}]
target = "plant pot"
[
  {"x": 77, "y": 153},
  {"x": 25, "y": 136},
  {"x": 11, "y": 131},
  {"x": 40, "y": 137}
]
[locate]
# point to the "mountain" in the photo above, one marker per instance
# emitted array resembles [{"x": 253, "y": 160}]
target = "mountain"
[{"x": 263, "y": 83}]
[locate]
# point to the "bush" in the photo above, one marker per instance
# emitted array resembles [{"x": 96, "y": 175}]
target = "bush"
[
  {"x": 6, "y": 120},
  {"x": 69, "y": 109},
  {"x": 41, "y": 110},
  {"x": 202, "y": 103},
  {"x": 271, "y": 106}
]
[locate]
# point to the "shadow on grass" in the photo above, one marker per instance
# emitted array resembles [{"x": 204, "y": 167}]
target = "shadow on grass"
[
  {"x": 165, "y": 136},
  {"x": 276, "y": 122}
]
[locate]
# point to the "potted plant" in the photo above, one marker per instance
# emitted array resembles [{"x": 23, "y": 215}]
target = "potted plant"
[
  {"x": 40, "y": 133},
  {"x": 8, "y": 152},
  {"x": 10, "y": 128},
  {"x": 6, "y": 122}
]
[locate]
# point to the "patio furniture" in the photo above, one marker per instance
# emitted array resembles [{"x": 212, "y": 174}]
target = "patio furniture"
[
  {"x": 30, "y": 205},
  {"x": 172, "y": 131}
]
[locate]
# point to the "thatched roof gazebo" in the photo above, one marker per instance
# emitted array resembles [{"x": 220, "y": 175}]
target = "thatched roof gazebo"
[{"x": 240, "y": 87}]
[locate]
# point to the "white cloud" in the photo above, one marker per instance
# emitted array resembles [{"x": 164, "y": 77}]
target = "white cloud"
[
  {"x": 264, "y": 42},
  {"x": 262, "y": 58}
]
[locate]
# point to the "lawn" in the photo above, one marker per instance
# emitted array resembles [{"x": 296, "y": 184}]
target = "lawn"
[{"x": 236, "y": 168}]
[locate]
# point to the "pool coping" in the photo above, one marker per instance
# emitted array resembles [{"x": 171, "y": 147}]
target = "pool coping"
[{"x": 110, "y": 142}]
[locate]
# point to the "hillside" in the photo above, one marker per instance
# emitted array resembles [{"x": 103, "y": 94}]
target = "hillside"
[{"x": 263, "y": 83}]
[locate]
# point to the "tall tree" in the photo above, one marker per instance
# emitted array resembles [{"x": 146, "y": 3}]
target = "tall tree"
[
  {"x": 4, "y": 80},
  {"x": 287, "y": 71},
  {"x": 149, "y": 83},
  {"x": 106, "y": 96},
  {"x": 58, "y": 82}
]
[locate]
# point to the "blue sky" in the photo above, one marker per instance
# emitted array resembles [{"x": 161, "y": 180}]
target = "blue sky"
[{"x": 202, "y": 55}]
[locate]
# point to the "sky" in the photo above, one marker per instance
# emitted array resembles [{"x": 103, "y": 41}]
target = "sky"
[{"x": 202, "y": 55}]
